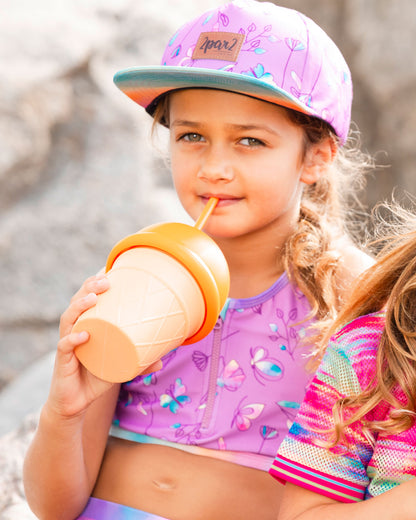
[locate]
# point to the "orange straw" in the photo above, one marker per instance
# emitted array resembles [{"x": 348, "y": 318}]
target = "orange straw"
[{"x": 206, "y": 212}]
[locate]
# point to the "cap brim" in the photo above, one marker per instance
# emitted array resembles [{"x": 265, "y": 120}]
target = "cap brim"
[{"x": 145, "y": 85}]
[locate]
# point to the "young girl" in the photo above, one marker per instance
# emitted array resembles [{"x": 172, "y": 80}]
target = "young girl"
[
  {"x": 257, "y": 101},
  {"x": 355, "y": 435}
]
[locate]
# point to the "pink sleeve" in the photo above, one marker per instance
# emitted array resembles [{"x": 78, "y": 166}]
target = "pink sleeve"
[
  {"x": 285, "y": 470},
  {"x": 305, "y": 457}
]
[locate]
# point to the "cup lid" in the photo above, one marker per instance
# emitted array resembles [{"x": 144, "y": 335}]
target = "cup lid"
[{"x": 197, "y": 252}]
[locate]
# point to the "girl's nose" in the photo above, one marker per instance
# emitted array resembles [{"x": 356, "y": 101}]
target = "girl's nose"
[{"x": 216, "y": 167}]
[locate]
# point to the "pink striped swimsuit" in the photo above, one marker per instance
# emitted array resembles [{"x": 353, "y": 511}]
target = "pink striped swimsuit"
[
  {"x": 354, "y": 469},
  {"x": 234, "y": 394}
]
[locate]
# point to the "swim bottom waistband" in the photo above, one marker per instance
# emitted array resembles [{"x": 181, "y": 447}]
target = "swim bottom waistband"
[{"x": 98, "y": 509}]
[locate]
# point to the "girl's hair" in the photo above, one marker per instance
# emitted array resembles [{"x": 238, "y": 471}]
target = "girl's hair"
[
  {"x": 328, "y": 214},
  {"x": 311, "y": 257},
  {"x": 389, "y": 284}
]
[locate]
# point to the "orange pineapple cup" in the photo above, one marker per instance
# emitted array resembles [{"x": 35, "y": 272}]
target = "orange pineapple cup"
[{"x": 168, "y": 284}]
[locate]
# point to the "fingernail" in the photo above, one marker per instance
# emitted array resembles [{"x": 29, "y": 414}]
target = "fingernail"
[{"x": 83, "y": 335}]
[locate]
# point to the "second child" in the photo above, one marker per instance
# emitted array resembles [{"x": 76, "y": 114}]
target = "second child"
[{"x": 352, "y": 451}]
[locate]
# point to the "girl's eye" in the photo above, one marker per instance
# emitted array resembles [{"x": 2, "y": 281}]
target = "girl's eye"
[
  {"x": 192, "y": 137},
  {"x": 251, "y": 141}
]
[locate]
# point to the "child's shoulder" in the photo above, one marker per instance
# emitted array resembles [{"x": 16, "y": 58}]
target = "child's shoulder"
[
  {"x": 353, "y": 262},
  {"x": 357, "y": 342},
  {"x": 368, "y": 326}
]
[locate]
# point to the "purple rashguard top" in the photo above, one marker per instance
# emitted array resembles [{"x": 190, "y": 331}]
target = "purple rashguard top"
[{"x": 232, "y": 395}]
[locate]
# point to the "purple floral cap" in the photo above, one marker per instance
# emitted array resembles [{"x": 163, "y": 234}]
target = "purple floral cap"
[{"x": 255, "y": 48}]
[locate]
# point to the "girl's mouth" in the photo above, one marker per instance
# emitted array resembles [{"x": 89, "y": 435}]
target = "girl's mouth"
[{"x": 223, "y": 200}]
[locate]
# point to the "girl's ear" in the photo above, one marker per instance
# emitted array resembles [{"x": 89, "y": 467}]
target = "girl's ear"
[{"x": 318, "y": 159}]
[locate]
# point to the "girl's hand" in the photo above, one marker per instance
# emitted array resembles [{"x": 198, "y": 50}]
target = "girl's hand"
[{"x": 73, "y": 387}]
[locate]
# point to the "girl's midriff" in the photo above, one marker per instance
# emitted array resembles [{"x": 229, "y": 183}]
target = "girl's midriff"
[{"x": 183, "y": 486}]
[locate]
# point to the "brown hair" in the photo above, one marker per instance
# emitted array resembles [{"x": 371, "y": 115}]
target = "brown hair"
[
  {"x": 327, "y": 214},
  {"x": 311, "y": 256},
  {"x": 390, "y": 284}
]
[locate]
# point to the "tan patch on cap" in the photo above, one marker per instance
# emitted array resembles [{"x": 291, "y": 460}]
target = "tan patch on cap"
[{"x": 218, "y": 46}]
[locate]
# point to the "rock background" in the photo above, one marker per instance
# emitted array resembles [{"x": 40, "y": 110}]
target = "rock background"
[{"x": 78, "y": 171}]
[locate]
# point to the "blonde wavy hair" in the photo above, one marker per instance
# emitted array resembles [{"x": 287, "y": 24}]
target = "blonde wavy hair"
[
  {"x": 330, "y": 210},
  {"x": 389, "y": 284},
  {"x": 311, "y": 256}
]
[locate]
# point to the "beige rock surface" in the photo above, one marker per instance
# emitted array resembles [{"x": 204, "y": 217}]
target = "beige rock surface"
[{"x": 13, "y": 446}]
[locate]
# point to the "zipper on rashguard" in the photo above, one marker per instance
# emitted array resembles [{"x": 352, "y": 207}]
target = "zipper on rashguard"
[{"x": 213, "y": 375}]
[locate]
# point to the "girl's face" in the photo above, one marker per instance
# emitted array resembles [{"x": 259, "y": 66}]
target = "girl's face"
[{"x": 242, "y": 150}]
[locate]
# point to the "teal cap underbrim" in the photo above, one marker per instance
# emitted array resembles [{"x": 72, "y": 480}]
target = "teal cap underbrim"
[{"x": 145, "y": 85}]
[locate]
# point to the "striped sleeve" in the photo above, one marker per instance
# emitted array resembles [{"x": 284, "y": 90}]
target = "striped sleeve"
[
  {"x": 333, "y": 487},
  {"x": 306, "y": 456}
]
